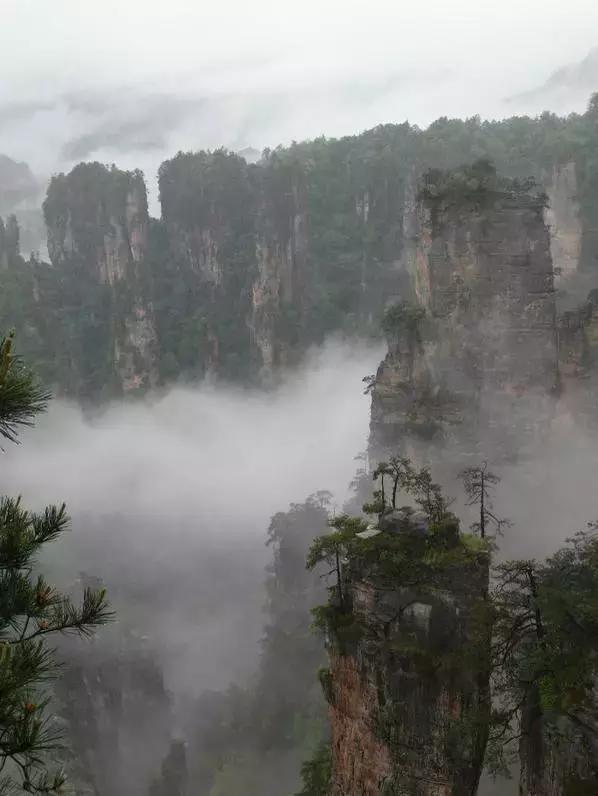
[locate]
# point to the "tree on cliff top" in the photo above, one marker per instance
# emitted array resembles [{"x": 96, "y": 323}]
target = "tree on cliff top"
[
  {"x": 416, "y": 483},
  {"x": 332, "y": 549},
  {"x": 30, "y": 608},
  {"x": 478, "y": 483}
]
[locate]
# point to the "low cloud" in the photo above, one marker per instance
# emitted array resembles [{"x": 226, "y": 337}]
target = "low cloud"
[{"x": 171, "y": 500}]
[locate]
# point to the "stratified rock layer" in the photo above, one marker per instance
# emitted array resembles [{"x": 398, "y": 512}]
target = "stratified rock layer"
[{"x": 480, "y": 358}]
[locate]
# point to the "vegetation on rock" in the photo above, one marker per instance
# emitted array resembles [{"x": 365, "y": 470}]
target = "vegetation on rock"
[{"x": 268, "y": 258}]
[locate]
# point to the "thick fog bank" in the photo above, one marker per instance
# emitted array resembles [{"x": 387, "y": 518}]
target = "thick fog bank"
[{"x": 171, "y": 499}]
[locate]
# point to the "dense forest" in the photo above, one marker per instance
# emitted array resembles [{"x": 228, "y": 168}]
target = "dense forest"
[{"x": 251, "y": 263}]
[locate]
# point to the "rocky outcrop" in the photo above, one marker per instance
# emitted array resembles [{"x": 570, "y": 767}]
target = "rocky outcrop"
[
  {"x": 277, "y": 293},
  {"x": 254, "y": 262},
  {"x": 97, "y": 223},
  {"x": 578, "y": 361},
  {"x": 562, "y": 216},
  {"x": 474, "y": 358},
  {"x": 17, "y": 184},
  {"x": 209, "y": 209},
  {"x": 115, "y": 713},
  {"x": 408, "y": 716},
  {"x": 9, "y": 241},
  {"x": 275, "y": 255}
]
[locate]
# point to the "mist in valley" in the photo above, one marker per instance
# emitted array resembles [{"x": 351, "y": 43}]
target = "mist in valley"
[
  {"x": 195, "y": 498},
  {"x": 170, "y": 501},
  {"x": 171, "y": 498}
]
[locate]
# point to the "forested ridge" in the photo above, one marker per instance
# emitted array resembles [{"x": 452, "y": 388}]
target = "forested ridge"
[{"x": 251, "y": 263}]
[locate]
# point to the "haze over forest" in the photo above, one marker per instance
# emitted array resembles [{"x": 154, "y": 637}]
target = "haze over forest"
[
  {"x": 132, "y": 84},
  {"x": 299, "y": 316}
]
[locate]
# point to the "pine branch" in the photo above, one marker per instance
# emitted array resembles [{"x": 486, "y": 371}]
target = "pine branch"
[
  {"x": 21, "y": 397},
  {"x": 66, "y": 617}
]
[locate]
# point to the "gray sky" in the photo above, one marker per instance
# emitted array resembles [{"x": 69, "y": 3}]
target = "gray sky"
[{"x": 132, "y": 81}]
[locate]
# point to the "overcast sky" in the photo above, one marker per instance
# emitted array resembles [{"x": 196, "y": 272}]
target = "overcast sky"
[{"x": 132, "y": 81}]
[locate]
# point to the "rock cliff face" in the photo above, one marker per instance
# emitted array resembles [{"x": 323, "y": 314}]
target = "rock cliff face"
[
  {"x": 97, "y": 223},
  {"x": 407, "y": 715},
  {"x": 479, "y": 342},
  {"x": 273, "y": 256},
  {"x": 9, "y": 241},
  {"x": 254, "y": 262},
  {"x": 578, "y": 361},
  {"x": 116, "y": 715},
  {"x": 562, "y": 216},
  {"x": 278, "y": 291},
  {"x": 17, "y": 184},
  {"x": 208, "y": 210}
]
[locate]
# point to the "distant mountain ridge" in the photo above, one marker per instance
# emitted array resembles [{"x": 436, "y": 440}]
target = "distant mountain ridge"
[
  {"x": 17, "y": 183},
  {"x": 579, "y": 77}
]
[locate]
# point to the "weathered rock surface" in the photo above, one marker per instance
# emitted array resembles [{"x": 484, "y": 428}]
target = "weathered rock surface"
[
  {"x": 97, "y": 221},
  {"x": 562, "y": 216},
  {"x": 578, "y": 361},
  {"x": 277, "y": 293},
  {"x": 407, "y": 715},
  {"x": 9, "y": 241},
  {"x": 476, "y": 356}
]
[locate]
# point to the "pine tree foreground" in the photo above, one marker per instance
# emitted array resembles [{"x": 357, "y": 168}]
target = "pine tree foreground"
[{"x": 31, "y": 609}]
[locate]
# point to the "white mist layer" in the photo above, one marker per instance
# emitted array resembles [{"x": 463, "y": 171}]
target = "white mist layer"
[
  {"x": 209, "y": 450},
  {"x": 171, "y": 500}
]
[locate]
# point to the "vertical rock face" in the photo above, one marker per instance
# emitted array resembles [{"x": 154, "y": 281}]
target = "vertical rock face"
[
  {"x": 578, "y": 361},
  {"x": 9, "y": 241},
  {"x": 276, "y": 255},
  {"x": 277, "y": 294},
  {"x": 480, "y": 343},
  {"x": 407, "y": 713},
  {"x": 562, "y": 216},
  {"x": 115, "y": 712},
  {"x": 3, "y": 252},
  {"x": 209, "y": 209},
  {"x": 17, "y": 184},
  {"x": 97, "y": 223}
]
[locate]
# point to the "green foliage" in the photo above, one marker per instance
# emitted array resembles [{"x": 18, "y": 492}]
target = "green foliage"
[
  {"x": 335, "y": 206},
  {"x": 325, "y": 678},
  {"x": 317, "y": 772},
  {"x": 417, "y": 484},
  {"x": 333, "y": 548},
  {"x": 402, "y": 318},
  {"x": 203, "y": 263},
  {"x": 21, "y": 397},
  {"x": 30, "y": 608},
  {"x": 431, "y": 560},
  {"x": 474, "y": 185},
  {"x": 88, "y": 200},
  {"x": 535, "y": 632},
  {"x": 545, "y": 649}
]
